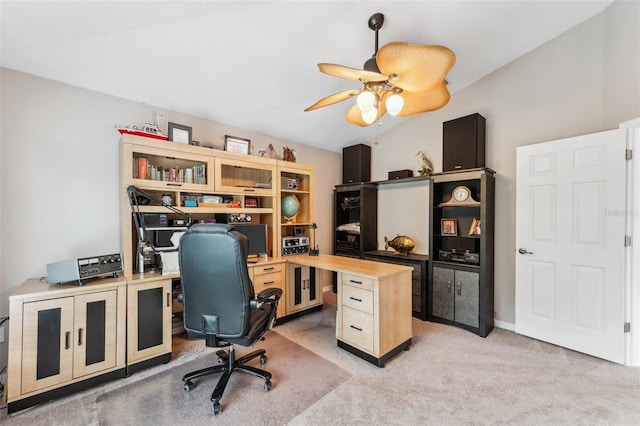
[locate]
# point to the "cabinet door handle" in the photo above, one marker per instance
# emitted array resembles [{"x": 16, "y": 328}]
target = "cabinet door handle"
[
  {"x": 168, "y": 300},
  {"x": 354, "y": 298},
  {"x": 80, "y": 337},
  {"x": 448, "y": 285},
  {"x": 355, "y": 328},
  {"x": 355, "y": 282},
  {"x": 66, "y": 339},
  {"x": 459, "y": 288}
]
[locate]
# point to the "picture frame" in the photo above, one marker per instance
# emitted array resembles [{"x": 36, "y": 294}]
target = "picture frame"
[
  {"x": 449, "y": 227},
  {"x": 297, "y": 231},
  {"x": 251, "y": 202},
  {"x": 179, "y": 133},
  {"x": 475, "y": 228},
  {"x": 235, "y": 144}
]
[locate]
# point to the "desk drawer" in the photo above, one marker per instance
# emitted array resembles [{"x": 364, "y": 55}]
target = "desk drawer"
[
  {"x": 357, "y": 298},
  {"x": 357, "y": 328},
  {"x": 260, "y": 282},
  {"x": 267, "y": 269},
  {"x": 357, "y": 281}
]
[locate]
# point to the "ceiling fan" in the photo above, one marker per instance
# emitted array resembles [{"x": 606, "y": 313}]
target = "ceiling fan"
[{"x": 401, "y": 78}]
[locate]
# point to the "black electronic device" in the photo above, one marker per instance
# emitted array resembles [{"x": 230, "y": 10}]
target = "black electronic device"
[
  {"x": 356, "y": 164},
  {"x": 463, "y": 143},
  {"x": 295, "y": 245},
  {"x": 76, "y": 270},
  {"x": 233, "y": 218},
  {"x": 256, "y": 234}
]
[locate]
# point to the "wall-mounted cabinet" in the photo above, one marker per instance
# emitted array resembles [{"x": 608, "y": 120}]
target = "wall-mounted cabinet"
[
  {"x": 461, "y": 249},
  {"x": 295, "y": 180},
  {"x": 220, "y": 183}
]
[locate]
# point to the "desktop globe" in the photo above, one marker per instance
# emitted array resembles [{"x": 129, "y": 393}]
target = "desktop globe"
[{"x": 290, "y": 207}]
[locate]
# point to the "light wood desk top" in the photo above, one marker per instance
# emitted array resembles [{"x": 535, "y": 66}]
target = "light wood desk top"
[{"x": 365, "y": 268}]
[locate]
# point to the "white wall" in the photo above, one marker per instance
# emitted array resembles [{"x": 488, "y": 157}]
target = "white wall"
[{"x": 584, "y": 81}]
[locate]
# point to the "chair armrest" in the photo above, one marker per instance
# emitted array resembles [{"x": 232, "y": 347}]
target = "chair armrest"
[{"x": 268, "y": 295}]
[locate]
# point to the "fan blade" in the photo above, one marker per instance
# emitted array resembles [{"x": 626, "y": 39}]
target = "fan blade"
[
  {"x": 354, "y": 115},
  {"x": 419, "y": 102},
  {"x": 351, "y": 73},
  {"x": 418, "y": 68},
  {"x": 335, "y": 98}
]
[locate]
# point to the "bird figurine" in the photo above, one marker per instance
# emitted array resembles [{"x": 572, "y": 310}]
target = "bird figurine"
[{"x": 426, "y": 168}]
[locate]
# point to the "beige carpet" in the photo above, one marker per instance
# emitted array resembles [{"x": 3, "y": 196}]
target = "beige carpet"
[{"x": 160, "y": 399}]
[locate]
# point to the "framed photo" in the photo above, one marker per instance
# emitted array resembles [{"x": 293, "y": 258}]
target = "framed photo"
[
  {"x": 449, "y": 227},
  {"x": 297, "y": 231},
  {"x": 475, "y": 227},
  {"x": 239, "y": 145},
  {"x": 251, "y": 202},
  {"x": 179, "y": 133}
]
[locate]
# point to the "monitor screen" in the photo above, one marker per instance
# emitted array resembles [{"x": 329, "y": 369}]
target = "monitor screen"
[{"x": 257, "y": 235}]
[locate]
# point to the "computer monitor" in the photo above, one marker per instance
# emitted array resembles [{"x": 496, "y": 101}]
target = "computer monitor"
[{"x": 256, "y": 234}]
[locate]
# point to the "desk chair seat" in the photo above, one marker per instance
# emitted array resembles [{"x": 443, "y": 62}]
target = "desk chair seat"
[{"x": 219, "y": 304}]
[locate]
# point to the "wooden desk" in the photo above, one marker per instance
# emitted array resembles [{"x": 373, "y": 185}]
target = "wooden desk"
[{"x": 373, "y": 318}]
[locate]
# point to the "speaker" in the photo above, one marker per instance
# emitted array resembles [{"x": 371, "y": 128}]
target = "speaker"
[
  {"x": 356, "y": 164},
  {"x": 463, "y": 143}
]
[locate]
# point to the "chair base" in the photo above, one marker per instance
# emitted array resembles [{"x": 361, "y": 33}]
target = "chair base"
[{"x": 227, "y": 365}]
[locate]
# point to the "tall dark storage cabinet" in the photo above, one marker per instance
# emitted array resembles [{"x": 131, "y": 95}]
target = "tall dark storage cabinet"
[
  {"x": 461, "y": 260},
  {"x": 463, "y": 143},
  {"x": 356, "y": 219},
  {"x": 356, "y": 164}
]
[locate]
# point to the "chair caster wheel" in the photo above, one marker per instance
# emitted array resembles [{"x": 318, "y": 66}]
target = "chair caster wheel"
[
  {"x": 188, "y": 385},
  {"x": 216, "y": 408},
  {"x": 263, "y": 359},
  {"x": 267, "y": 385}
]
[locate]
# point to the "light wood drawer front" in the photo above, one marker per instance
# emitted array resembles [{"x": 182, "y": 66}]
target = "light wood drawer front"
[
  {"x": 260, "y": 282},
  {"x": 357, "y": 281},
  {"x": 357, "y": 328},
  {"x": 267, "y": 269},
  {"x": 357, "y": 298}
]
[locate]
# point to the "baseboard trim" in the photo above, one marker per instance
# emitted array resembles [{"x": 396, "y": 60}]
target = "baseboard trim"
[{"x": 504, "y": 325}]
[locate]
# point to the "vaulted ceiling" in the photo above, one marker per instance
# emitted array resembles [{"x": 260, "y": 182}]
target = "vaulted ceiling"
[{"x": 253, "y": 64}]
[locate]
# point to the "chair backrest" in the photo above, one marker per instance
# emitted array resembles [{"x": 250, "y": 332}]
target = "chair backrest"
[{"x": 215, "y": 279}]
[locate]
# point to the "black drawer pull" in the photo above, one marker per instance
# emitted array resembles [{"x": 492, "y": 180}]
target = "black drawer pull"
[
  {"x": 174, "y": 184},
  {"x": 356, "y": 299},
  {"x": 268, "y": 269},
  {"x": 268, "y": 282},
  {"x": 355, "y": 282},
  {"x": 355, "y": 328}
]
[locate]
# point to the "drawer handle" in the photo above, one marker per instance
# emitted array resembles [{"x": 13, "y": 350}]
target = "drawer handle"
[
  {"x": 249, "y": 190},
  {"x": 354, "y": 298},
  {"x": 268, "y": 282},
  {"x": 174, "y": 184},
  {"x": 80, "y": 337},
  {"x": 268, "y": 269},
  {"x": 66, "y": 340},
  {"x": 355, "y": 328},
  {"x": 355, "y": 282}
]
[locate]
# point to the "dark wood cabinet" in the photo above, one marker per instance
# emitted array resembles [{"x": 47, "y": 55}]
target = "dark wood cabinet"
[
  {"x": 463, "y": 143},
  {"x": 419, "y": 262},
  {"x": 355, "y": 219},
  {"x": 461, "y": 247}
]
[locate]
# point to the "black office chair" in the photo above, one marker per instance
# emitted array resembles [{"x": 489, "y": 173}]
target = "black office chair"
[{"x": 219, "y": 303}]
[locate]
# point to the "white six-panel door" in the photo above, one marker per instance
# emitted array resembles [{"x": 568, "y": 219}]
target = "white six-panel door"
[{"x": 570, "y": 235}]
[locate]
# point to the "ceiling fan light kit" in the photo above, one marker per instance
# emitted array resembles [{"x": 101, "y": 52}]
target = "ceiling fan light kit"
[{"x": 401, "y": 78}]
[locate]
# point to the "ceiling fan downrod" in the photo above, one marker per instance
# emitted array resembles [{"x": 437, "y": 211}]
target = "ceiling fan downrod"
[{"x": 375, "y": 23}]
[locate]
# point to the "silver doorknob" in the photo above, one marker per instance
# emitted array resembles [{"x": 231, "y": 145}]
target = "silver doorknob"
[{"x": 524, "y": 251}]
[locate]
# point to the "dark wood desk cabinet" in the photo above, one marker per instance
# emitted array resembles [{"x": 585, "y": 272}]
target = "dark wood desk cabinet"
[{"x": 419, "y": 276}]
